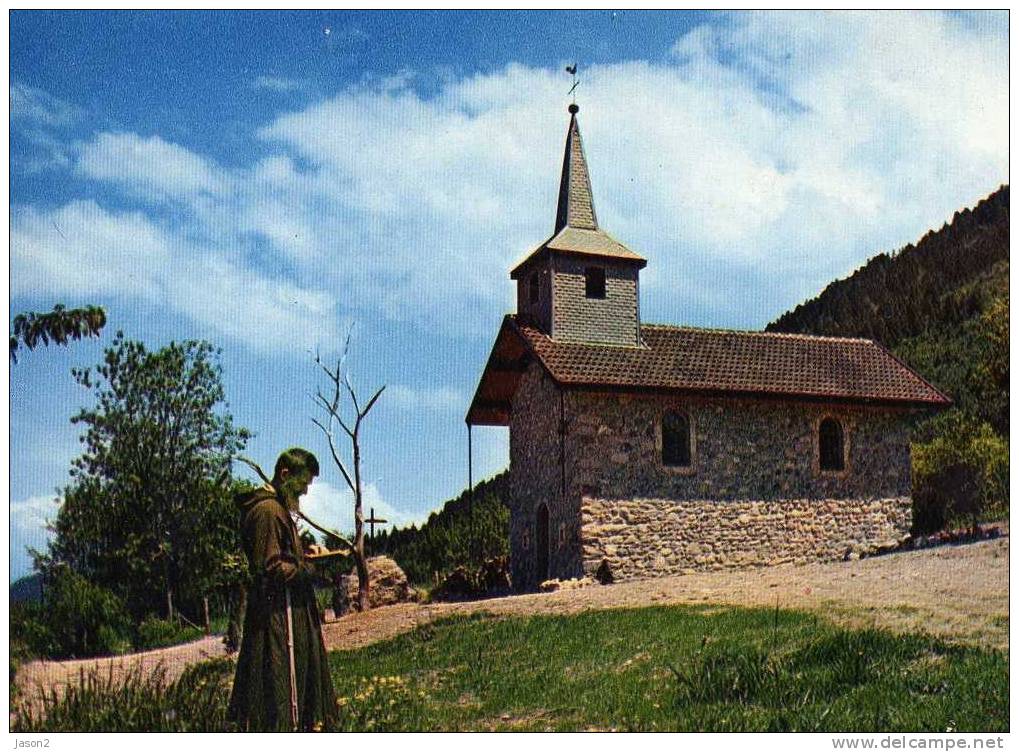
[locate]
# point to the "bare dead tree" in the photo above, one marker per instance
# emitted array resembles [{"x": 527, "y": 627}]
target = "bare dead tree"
[{"x": 330, "y": 402}]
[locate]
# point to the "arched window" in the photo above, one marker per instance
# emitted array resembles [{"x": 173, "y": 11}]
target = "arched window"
[
  {"x": 831, "y": 444},
  {"x": 675, "y": 440}
]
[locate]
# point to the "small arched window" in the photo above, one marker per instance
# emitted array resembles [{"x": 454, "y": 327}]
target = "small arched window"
[
  {"x": 675, "y": 440},
  {"x": 831, "y": 445}
]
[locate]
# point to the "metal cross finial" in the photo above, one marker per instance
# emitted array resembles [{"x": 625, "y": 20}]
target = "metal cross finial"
[{"x": 572, "y": 70}]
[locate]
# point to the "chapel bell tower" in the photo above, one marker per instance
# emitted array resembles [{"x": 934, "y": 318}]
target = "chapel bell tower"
[{"x": 581, "y": 285}]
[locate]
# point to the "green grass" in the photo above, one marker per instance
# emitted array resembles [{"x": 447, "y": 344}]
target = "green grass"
[
  {"x": 662, "y": 668},
  {"x": 676, "y": 669},
  {"x": 196, "y": 701}
]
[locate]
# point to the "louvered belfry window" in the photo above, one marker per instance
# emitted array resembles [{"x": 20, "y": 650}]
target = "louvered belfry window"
[
  {"x": 675, "y": 440},
  {"x": 831, "y": 443}
]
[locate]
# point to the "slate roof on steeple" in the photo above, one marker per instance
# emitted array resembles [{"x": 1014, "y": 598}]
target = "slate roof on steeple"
[
  {"x": 576, "y": 200},
  {"x": 576, "y": 224}
]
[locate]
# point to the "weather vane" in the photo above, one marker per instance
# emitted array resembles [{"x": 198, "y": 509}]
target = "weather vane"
[{"x": 572, "y": 70}]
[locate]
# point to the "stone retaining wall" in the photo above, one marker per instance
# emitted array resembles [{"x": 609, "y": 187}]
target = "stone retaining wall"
[{"x": 654, "y": 537}]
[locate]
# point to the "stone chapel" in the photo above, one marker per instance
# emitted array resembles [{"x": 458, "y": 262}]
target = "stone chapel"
[{"x": 668, "y": 449}]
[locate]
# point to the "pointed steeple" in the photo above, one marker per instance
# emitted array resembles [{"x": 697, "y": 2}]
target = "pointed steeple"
[
  {"x": 576, "y": 225},
  {"x": 576, "y": 201}
]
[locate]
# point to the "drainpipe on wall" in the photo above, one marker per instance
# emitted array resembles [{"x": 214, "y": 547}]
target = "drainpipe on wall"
[
  {"x": 562, "y": 439},
  {"x": 470, "y": 489}
]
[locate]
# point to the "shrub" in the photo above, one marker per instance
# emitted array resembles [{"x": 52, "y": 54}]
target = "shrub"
[
  {"x": 31, "y": 634},
  {"x": 491, "y": 578},
  {"x": 960, "y": 475},
  {"x": 160, "y": 633},
  {"x": 77, "y": 619}
]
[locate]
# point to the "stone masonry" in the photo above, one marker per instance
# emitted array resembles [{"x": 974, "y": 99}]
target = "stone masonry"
[
  {"x": 649, "y": 537},
  {"x": 753, "y": 494}
]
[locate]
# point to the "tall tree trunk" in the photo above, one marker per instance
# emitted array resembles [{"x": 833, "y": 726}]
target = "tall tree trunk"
[
  {"x": 168, "y": 573},
  {"x": 205, "y": 609},
  {"x": 363, "y": 584}
]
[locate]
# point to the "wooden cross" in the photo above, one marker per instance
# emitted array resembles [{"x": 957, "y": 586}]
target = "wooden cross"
[{"x": 371, "y": 523}]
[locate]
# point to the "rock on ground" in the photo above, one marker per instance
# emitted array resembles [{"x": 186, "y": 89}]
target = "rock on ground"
[
  {"x": 387, "y": 584},
  {"x": 550, "y": 586}
]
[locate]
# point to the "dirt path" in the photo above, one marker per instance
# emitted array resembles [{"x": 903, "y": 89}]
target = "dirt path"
[
  {"x": 956, "y": 592},
  {"x": 37, "y": 676}
]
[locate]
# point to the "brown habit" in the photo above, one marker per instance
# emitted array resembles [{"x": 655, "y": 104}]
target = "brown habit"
[{"x": 260, "y": 700}]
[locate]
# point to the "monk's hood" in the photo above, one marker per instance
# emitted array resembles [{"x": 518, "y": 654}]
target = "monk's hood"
[{"x": 247, "y": 499}]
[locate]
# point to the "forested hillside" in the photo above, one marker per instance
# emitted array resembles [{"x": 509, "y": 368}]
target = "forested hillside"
[
  {"x": 942, "y": 306},
  {"x": 453, "y": 535},
  {"x": 899, "y": 295}
]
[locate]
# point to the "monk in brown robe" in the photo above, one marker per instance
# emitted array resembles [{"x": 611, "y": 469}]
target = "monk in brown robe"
[{"x": 263, "y": 694}]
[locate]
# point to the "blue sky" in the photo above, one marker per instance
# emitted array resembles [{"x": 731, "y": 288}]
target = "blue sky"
[{"x": 268, "y": 180}]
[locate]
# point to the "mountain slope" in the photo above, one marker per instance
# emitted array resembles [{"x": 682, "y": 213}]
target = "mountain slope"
[{"x": 941, "y": 305}]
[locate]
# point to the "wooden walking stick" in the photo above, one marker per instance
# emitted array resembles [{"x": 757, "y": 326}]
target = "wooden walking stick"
[{"x": 293, "y": 664}]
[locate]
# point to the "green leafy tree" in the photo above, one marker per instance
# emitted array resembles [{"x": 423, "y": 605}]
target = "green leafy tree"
[
  {"x": 58, "y": 326},
  {"x": 960, "y": 473},
  {"x": 149, "y": 513},
  {"x": 74, "y": 619}
]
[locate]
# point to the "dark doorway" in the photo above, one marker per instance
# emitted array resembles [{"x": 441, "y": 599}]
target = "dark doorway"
[{"x": 541, "y": 547}]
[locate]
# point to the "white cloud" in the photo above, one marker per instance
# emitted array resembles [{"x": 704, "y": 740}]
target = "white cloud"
[
  {"x": 333, "y": 508},
  {"x": 32, "y": 104},
  {"x": 279, "y": 84},
  {"x": 37, "y": 118},
  {"x": 787, "y": 146},
  {"x": 151, "y": 166},
  {"x": 29, "y": 519},
  {"x": 81, "y": 249},
  {"x": 772, "y": 151}
]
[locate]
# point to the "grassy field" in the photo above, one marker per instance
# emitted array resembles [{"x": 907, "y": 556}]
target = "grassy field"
[{"x": 663, "y": 668}]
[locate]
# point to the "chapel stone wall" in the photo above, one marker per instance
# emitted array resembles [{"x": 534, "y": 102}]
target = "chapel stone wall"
[
  {"x": 754, "y": 493},
  {"x": 654, "y": 537},
  {"x": 741, "y": 449},
  {"x": 536, "y": 477}
]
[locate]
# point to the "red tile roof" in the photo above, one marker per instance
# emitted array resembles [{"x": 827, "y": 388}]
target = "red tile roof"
[{"x": 720, "y": 361}]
